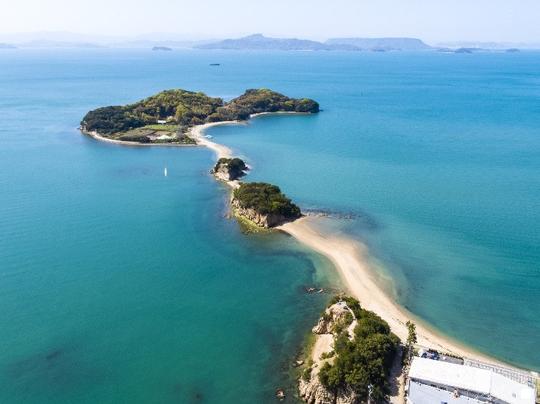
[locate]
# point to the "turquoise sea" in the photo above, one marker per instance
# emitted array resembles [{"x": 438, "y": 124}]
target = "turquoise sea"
[{"x": 118, "y": 284}]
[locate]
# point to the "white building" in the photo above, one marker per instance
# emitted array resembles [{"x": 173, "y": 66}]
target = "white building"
[{"x": 439, "y": 382}]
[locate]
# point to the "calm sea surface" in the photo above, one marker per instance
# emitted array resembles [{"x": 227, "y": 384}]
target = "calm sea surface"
[{"x": 118, "y": 284}]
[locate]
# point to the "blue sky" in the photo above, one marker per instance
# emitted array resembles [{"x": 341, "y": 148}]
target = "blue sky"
[{"x": 433, "y": 20}]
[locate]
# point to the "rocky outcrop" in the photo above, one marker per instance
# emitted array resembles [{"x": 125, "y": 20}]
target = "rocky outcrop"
[
  {"x": 266, "y": 220},
  {"x": 313, "y": 392},
  {"x": 229, "y": 169},
  {"x": 337, "y": 313},
  {"x": 310, "y": 388}
]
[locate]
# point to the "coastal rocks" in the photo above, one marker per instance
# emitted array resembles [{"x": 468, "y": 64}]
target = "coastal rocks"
[
  {"x": 266, "y": 220},
  {"x": 338, "y": 313},
  {"x": 313, "y": 392},
  {"x": 227, "y": 169}
]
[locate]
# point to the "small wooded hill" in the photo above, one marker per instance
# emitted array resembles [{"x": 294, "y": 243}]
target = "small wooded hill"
[
  {"x": 187, "y": 108},
  {"x": 263, "y": 204}
]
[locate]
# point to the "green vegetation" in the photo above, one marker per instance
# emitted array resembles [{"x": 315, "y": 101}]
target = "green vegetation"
[
  {"x": 235, "y": 167},
  {"x": 261, "y": 100},
  {"x": 181, "y": 109},
  {"x": 175, "y": 106},
  {"x": 265, "y": 199},
  {"x": 363, "y": 363},
  {"x": 411, "y": 341}
]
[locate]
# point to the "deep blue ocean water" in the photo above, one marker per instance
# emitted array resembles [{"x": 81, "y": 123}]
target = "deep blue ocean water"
[{"x": 120, "y": 285}]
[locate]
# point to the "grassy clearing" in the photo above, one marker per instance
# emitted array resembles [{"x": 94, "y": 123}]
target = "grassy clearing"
[{"x": 163, "y": 128}]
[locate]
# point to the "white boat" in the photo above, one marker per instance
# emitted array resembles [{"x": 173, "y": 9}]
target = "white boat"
[
  {"x": 165, "y": 172},
  {"x": 208, "y": 136}
]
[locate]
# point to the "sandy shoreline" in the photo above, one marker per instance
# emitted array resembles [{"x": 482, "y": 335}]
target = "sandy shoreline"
[
  {"x": 350, "y": 259},
  {"x": 97, "y": 136}
]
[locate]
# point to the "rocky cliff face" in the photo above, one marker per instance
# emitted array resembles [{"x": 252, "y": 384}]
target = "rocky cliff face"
[
  {"x": 262, "y": 220},
  {"x": 311, "y": 390},
  {"x": 337, "y": 313}
]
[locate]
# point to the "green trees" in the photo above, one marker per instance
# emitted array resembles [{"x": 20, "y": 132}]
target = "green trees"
[
  {"x": 411, "y": 340},
  {"x": 364, "y": 363},
  {"x": 265, "y": 199},
  {"x": 183, "y": 107},
  {"x": 188, "y": 108},
  {"x": 234, "y": 167}
]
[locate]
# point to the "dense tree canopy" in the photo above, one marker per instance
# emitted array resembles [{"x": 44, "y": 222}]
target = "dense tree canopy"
[
  {"x": 265, "y": 199},
  {"x": 187, "y": 108},
  {"x": 364, "y": 363},
  {"x": 235, "y": 167}
]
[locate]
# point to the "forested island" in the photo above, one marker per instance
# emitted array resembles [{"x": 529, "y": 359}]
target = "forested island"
[
  {"x": 263, "y": 204},
  {"x": 167, "y": 116},
  {"x": 229, "y": 169}
]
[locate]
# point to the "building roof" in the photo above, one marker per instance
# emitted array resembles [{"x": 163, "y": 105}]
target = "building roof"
[
  {"x": 477, "y": 380},
  {"x": 420, "y": 393}
]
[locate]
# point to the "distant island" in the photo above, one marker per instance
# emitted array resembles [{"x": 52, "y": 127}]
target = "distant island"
[
  {"x": 165, "y": 118},
  {"x": 261, "y": 42},
  {"x": 161, "y": 48},
  {"x": 404, "y": 44}
]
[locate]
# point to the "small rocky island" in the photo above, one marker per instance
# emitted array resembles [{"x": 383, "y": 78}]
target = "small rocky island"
[
  {"x": 351, "y": 357},
  {"x": 263, "y": 204},
  {"x": 229, "y": 169},
  {"x": 165, "y": 118}
]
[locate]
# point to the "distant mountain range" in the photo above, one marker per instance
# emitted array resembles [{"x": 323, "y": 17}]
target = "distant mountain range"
[
  {"x": 260, "y": 42},
  {"x": 53, "y": 39}
]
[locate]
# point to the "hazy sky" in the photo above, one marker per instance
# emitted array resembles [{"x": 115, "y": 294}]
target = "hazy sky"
[{"x": 431, "y": 20}]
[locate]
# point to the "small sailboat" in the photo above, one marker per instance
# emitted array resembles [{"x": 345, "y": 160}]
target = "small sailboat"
[{"x": 165, "y": 172}]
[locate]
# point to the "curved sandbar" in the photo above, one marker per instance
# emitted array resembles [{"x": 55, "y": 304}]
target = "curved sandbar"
[{"x": 349, "y": 256}]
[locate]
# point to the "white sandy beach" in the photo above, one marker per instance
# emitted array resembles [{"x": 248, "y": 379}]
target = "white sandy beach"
[
  {"x": 197, "y": 133},
  {"x": 349, "y": 257}
]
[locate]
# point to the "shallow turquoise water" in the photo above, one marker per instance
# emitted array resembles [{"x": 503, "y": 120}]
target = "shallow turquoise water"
[
  {"x": 438, "y": 156},
  {"x": 120, "y": 285}
]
